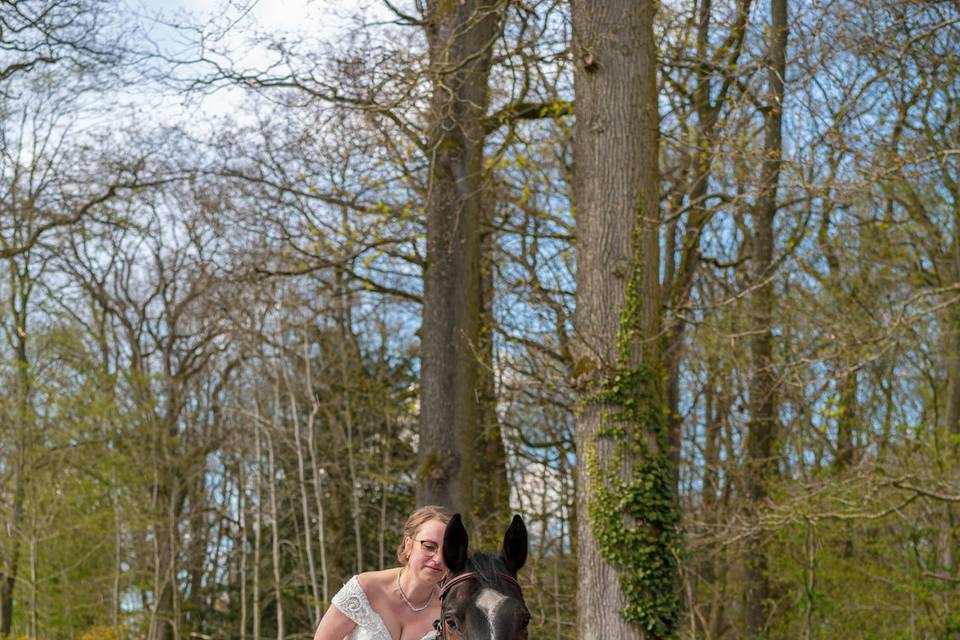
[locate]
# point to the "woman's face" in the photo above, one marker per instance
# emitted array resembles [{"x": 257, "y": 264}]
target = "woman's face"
[{"x": 426, "y": 551}]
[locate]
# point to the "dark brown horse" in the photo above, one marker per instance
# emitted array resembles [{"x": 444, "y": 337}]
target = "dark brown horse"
[{"x": 481, "y": 598}]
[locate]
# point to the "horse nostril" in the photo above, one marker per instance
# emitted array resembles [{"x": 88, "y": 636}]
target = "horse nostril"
[{"x": 524, "y": 617}]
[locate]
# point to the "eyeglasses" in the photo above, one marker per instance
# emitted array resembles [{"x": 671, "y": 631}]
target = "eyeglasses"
[{"x": 429, "y": 547}]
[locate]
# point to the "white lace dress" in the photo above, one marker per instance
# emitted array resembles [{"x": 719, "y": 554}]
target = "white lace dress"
[{"x": 353, "y": 603}]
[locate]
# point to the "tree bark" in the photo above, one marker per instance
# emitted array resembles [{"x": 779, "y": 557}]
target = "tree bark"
[
  {"x": 460, "y": 37},
  {"x": 762, "y": 429},
  {"x": 616, "y": 193}
]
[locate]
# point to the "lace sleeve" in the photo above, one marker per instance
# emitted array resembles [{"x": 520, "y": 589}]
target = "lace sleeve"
[{"x": 352, "y": 601}]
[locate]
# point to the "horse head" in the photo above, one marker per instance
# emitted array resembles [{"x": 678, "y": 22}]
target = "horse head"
[{"x": 481, "y": 598}]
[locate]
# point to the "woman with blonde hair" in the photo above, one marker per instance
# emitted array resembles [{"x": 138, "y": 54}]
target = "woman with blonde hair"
[{"x": 399, "y": 603}]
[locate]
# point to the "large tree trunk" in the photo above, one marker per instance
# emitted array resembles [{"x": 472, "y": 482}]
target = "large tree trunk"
[
  {"x": 460, "y": 36},
  {"x": 762, "y": 433},
  {"x": 626, "y": 531}
]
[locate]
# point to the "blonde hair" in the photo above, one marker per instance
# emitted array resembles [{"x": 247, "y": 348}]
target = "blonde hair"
[{"x": 416, "y": 520}]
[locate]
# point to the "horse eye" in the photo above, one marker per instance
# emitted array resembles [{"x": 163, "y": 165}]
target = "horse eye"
[{"x": 451, "y": 622}]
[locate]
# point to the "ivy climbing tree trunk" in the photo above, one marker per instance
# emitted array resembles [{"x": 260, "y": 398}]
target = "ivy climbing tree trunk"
[
  {"x": 762, "y": 429},
  {"x": 627, "y": 522},
  {"x": 460, "y": 36}
]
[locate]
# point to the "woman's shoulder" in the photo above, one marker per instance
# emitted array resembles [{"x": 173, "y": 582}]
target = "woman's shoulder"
[{"x": 375, "y": 583}]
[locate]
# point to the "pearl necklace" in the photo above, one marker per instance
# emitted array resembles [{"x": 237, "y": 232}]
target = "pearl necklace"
[{"x": 409, "y": 604}]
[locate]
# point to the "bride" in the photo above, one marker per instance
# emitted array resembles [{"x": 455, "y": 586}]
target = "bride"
[{"x": 399, "y": 603}]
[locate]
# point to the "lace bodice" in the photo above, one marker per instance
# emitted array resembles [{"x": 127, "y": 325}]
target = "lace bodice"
[{"x": 352, "y": 601}]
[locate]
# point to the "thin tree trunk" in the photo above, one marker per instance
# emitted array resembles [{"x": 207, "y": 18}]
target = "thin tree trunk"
[
  {"x": 460, "y": 37},
  {"x": 8, "y": 577},
  {"x": 163, "y": 607},
  {"x": 166, "y": 501},
  {"x": 275, "y": 513},
  {"x": 198, "y": 547},
  {"x": 952, "y": 362},
  {"x": 347, "y": 416},
  {"x": 762, "y": 428},
  {"x": 716, "y": 407},
  {"x": 316, "y": 472},
  {"x": 490, "y": 494},
  {"x": 347, "y": 372},
  {"x": 242, "y": 506},
  {"x": 118, "y": 554},
  {"x": 172, "y": 571},
  {"x": 708, "y": 100},
  {"x": 845, "y": 370},
  {"x": 382, "y": 528},
  {"x": 157, "y": 582},
  {"x": 304, "y": 504},
  {"x": 848, "y": 413},
  {"x": 257, "y": 526},
  {"x": 20, "y": 289},
  {"x": 34, "y": 561},
  {"x": 950, "y": 540}
]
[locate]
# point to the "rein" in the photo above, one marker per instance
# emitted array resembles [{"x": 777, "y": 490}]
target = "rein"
[{"x": 464, "y": 577}]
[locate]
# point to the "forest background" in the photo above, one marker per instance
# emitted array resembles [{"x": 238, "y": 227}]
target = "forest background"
[{"x": 218, "y": 315}]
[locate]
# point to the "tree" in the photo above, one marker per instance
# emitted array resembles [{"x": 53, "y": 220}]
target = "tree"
[
  {"x": 460, "y": 38},
  {"x": 160, "y": 296},
  {"x": 762, "y": 432},
  {"x": 49, "y": 182},
  {"x": 627, "y": 512}
]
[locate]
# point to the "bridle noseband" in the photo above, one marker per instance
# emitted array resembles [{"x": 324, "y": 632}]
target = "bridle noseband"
[{"x": 446, "y": 586}]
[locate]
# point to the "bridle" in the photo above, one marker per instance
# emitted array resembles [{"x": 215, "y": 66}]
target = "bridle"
[{"x": 446, "y": 586}]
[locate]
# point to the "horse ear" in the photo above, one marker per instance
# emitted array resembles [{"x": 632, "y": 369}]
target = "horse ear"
[
  {"x": 455, "y": 543},
  {"x": 515, "y": 545}
]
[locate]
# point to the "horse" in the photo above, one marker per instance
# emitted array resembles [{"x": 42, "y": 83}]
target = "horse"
[{"x": 480, "y": 599}]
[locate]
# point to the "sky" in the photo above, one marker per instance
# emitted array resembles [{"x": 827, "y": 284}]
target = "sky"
[
  {"x": 311, "y": 18},
  {"x": 274, "y": 14}
]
